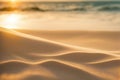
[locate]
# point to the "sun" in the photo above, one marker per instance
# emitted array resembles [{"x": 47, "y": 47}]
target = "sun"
[{"x": 10, "y": 21}]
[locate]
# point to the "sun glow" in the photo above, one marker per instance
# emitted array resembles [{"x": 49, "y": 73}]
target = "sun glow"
[
  {"x": 10, "y": 21},
  {"x": 13, "y": 0},
  {"x": 13, "y": 3}
]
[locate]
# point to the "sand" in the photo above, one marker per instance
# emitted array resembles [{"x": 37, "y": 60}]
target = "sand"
[
  {"x": 103, "y": 40},
  {"x": 59, "y": 55}
]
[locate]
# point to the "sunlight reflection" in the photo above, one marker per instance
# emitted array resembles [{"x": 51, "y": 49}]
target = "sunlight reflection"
[
  {"x": 13, "y": 0},
  {"x": 11, "y": 20}
]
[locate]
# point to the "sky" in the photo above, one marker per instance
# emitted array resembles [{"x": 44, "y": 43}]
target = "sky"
[{"x": 60, "y": 0}]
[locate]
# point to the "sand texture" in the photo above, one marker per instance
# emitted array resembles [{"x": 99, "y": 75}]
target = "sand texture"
[{"x": 59, "y": 55}]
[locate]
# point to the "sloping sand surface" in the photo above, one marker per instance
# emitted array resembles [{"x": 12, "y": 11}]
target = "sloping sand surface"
[
  {"x": 31, "y": 57},
  {"x": 92, "y": 39}
]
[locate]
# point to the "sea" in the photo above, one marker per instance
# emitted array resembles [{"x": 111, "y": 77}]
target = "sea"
[{"x": 74, "y": 15}]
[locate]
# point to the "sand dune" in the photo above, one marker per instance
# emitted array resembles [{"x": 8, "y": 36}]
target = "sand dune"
[
  {"x": 107, "y": 64},
  {"x": 13, "y": 44},
  {"x": 22, "y": 71},
  {"x": 15, "y": 38},
  {"x": 64, "y": 71},
  {"x": 92, "y": 39},
  {"x": 86, "y": 57},
  {"x": 57, "y": 68},
  {"x": 61, "y": 70},
  {"x": 29, "y": 57}
]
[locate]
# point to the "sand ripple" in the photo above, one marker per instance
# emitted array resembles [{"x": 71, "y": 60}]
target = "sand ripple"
[{"x": 27, "y": 57}]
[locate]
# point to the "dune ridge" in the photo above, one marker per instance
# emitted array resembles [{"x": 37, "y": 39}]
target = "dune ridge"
[
  {"x": 32, "y": 55},
  {"x": 45, "y": 40},
  {"x": 89, "y": 39},
  {"x": 87, "y": 69}
]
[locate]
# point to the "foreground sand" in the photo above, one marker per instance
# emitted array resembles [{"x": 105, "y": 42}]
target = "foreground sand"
[
  {"x": 104, "y": 40},
  {"x": 30, "y": 57}
]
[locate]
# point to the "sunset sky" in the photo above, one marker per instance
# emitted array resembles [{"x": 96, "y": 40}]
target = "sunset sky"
[
  {"x": 62, "y": 21},
  {"x": 60, "y": 0}
]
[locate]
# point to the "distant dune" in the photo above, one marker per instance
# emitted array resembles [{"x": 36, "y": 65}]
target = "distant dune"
[
  {"x": 26, "y": 55},
  {"x": 92, "y": 39}
]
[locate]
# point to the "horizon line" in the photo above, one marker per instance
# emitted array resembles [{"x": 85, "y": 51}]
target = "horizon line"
[{"x": 63, "y": 1}]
